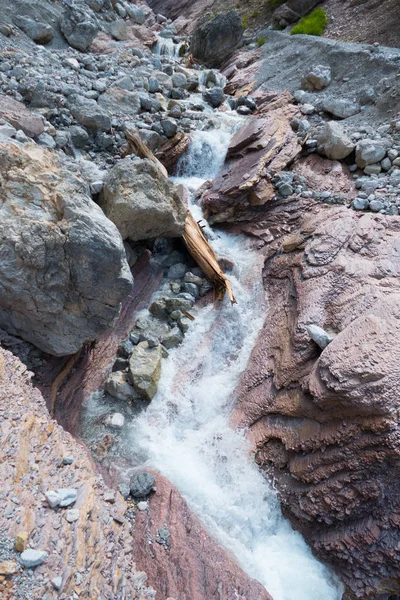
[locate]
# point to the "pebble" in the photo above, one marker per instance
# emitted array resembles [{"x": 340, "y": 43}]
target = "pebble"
[
  {"x": 56, "y": 582},
  {"x": 33, "y": 558},
  {"x": 72, "y": 515}
]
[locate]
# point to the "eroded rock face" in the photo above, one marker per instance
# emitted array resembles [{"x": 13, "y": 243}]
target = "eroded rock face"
[
  {"x": 45, "y": 456},
  {"x": 324, "y": 422},
  {"x": 214, "y": 41},
  {"x": 63, "y": 270},
  {"x": 142, "y": 202}
]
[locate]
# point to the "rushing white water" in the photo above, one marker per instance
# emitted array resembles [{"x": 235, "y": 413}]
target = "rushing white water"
[
  {"x": 167, "y": 47},
  {"x": 185, "y": 432}
]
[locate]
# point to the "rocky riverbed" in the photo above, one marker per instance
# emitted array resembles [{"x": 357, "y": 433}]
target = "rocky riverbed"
[{"x": 293, "y": 143}]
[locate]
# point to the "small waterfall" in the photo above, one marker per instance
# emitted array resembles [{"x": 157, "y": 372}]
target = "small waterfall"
[
  {"x": 206, "y": 154},
  {"x": 167, "y": 47}
]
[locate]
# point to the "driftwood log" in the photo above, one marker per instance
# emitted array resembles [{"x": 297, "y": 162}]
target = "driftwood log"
[
  {"x": 205, "y": 257},
  {"x": 138, "y": 147},
  {"x": 194, "y": 239}
]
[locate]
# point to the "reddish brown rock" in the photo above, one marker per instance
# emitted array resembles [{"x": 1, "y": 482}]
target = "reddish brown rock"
[
  {"x": 190, "y": 565},
  {"x": 20, "y": 117},
  {"x": 171, "y": 151},
  {"x": 321, "y": 173},
  {"x": 324, "y": 424},
  {"x": 257, "y": 151}
]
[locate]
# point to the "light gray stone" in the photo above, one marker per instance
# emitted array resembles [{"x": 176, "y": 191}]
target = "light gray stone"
[
  {"x": 333, "y": 142},
  {"x": 32, "y": 558},
  {"x": 317, "y": 79},
  {"x": 68, "y": 496},
  {"x": 88, "y": 113},
  {"x": 119, "y": 386},
  {"x": 145, "y": 369},
  {"x": 142, "y": 202},
  {"x": 369, "y": 152},
  {"x": 321, "y": 337}
]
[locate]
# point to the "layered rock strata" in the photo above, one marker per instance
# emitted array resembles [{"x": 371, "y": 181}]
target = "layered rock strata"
[{"x": 324, "y": 423}]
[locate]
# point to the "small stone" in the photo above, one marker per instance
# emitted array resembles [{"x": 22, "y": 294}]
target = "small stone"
[
  {"x": 142, "y": 505},
  {"x": 321, "y": 337},
  {"x": 372, "y": 169},
  {"x": 285, "y": 190},
  {"x": 376, "y": 205},
  {"x": 20, "y": 541},
  {"x": 68, "y": 460},
  {"x": 360, "y": 203},
  {"x": 72, "y": 515},
  {"x": 56, "y": 582},
  {"x": 68, "y": 496},
  {"x": 116, "y": 421},
  {"x": 33, "y": 558},
  {"x": 307, "y": 109},
  {"x": 176, "y": 271},
  {"x": 53, "y": 498},
  {"x": 141, "y": 484},
  {"x": 109, "y": 496},
  {"x": 9, "y": 567}
]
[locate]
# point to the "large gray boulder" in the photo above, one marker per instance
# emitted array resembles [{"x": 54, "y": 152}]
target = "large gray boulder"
[
  {"x": 214, "y": 41},
  {"x": 39, "y": 32},
  {"x": 63, "y": 270},
  {"x": 333, "y": 141},
  {"x": 88, "y": 113},
  {"x": 142, "y": 202},
  {"x": 79, "y": 27},
  {"x": 117, "y": 101}
]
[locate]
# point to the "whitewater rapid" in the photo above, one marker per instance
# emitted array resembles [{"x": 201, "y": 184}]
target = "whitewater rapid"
[{"x": 185, "y": 434}]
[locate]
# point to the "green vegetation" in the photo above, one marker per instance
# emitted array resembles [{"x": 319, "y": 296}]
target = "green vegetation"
[
  {"x": 245, "y": 21},
  {"x": 313, "y": 24},
  {"x": 261, "y": 41}
]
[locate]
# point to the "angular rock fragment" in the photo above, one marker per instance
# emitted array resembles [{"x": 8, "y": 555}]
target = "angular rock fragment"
[
  {"x": 142, "y": 202},
  {"x": 63, "y": 270},
  {"x": 145, "y": 369}
]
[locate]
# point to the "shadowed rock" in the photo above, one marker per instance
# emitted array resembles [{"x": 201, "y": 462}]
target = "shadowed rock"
[{"x": 214, "y": 41}]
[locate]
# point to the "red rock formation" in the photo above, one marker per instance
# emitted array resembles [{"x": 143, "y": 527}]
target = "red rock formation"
[
  {"x": 325, "y": 423},
  {"x": 190, "y": 565},
  {"x": 258, "y": 150}
]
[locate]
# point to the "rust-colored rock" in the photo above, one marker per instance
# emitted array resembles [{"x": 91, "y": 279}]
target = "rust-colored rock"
[
  {"x": 258, "y": 150},
  {"x": 324, "y": 423},
  {"x": 170, "y": 152},
  {"x": 20, "y": 117},
  {"x": 190, "y": 565},
  {"x": 321, "y": 173}
]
